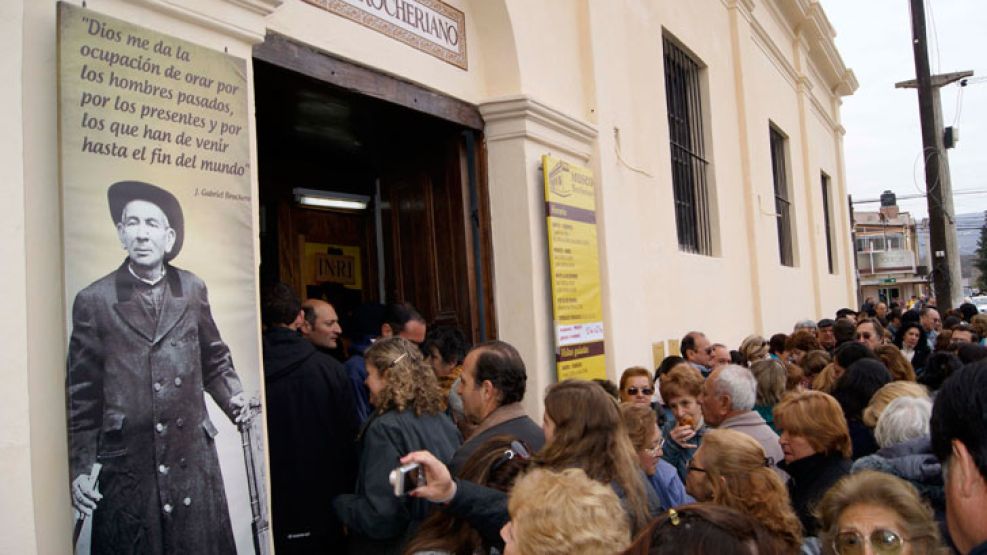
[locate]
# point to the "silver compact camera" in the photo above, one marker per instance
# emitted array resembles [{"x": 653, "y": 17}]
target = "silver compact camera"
[{"x": 406, "y": 478}]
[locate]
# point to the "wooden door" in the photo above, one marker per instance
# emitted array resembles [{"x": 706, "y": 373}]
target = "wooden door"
[{"x": 428, "y": 236}]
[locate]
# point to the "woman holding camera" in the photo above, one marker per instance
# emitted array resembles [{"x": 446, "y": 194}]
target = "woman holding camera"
[
  {"x": 409, "y": 416},
  {"x": 584, "y": 430}
]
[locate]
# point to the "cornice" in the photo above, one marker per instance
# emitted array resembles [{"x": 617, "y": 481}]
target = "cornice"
[
  {"x": 823, "y": 52},
  {"x": 812, "y": 31},
  {"x": 249, "y": 27},
  {"x": 521, "y": 116},
  {"x": 262, "y": 7},
  {"x": 747, "y": 5}
]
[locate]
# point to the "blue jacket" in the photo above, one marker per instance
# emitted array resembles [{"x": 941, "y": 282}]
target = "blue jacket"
[
  {"x": 668, "y": 486},
  {"x": 356, "y": 370},
  {"x": 675, "y": 454}
]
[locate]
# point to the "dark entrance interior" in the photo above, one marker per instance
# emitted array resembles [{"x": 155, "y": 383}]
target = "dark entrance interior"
[{"x": 422, "y": 237}]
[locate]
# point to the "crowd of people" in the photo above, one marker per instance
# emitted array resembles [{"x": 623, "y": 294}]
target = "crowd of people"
[{"x": 866, "y": 433}]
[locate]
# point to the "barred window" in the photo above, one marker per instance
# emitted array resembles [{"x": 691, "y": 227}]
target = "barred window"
[
  {"x": 783, "y": 203},
  {"x": 689, "y": 165}
]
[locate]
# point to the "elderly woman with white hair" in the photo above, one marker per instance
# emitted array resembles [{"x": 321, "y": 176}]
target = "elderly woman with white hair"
[{"x": 902, "y": 432}]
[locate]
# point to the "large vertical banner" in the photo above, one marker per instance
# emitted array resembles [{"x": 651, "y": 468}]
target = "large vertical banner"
[
  {"x": 162, "y": 371},
  {"x": 574, "y": 262}
]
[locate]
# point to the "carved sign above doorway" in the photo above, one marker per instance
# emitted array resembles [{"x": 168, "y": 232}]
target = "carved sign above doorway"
[{"x": 431, "y": 26}]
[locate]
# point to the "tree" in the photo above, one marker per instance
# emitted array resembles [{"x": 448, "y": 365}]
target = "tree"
[{"x": 981, "y": 262}]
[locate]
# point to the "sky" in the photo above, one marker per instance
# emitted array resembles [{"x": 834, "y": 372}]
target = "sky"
[{"x": 883, "y": 142}]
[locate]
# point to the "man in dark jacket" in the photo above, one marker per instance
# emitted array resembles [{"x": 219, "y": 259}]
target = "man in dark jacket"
[
  {"x": 492, "y": 386},
  {"x": 312, "y": 425},
  {"x": 144, "y": 349},
  {"x": 959, "y": 440}
]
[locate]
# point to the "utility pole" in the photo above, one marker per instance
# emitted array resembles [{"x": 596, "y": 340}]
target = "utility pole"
[{"x": 947, "y": 281}]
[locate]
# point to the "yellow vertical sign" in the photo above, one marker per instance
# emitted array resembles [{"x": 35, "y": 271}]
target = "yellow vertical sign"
[{"x": 574, "y": 262}]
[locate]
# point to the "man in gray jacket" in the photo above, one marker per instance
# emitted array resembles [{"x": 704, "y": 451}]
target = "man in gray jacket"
[
  {"x": 492, "y": 386},
  {"x": 728, "y": 402}
]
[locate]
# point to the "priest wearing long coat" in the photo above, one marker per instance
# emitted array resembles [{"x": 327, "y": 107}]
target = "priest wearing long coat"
[{"x": 144, "y": 348}]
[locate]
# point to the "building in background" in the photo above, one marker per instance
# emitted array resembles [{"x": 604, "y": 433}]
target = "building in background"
[
  {"x": 968, "y": 228},
  {"x": 712, "y": 128},
  {"x": 889, "y": 267}
]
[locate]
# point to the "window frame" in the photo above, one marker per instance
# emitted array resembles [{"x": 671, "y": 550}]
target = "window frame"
[
  {"x": 778, "y": 142},
  {"x": 826, "y": 184},
  {"x": 687, "y": 136}
]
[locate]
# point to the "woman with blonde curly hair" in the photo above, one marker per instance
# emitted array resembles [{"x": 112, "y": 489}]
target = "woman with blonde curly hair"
[
  {"x": 730, "y": 468},
  {"x": 409, "y": 416},
  {"x": 877, "y": 509},
  {"x": 564, "y": 512}
]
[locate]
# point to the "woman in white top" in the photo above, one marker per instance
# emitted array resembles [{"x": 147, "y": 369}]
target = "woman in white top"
[{"x": 912, "y": 341}]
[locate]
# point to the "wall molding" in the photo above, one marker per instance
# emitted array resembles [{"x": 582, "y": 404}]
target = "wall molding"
[
  {"x": 250, "y": 29},
  {"x": 262, "y": 7},
  {"x": 520, "y": 116},
  {"x": 774, "y": 54}
]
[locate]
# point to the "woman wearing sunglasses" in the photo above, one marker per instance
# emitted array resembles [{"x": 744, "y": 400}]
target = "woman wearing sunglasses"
[
  {"x": 873, "y": 512},
  {"x": 636, "y": 386}
]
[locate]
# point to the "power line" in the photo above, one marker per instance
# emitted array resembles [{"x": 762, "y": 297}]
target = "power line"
[
  {"x": 935, "y": 37},
  {"x": 913, "y": 196},
  {"x": 959, "y": 103}
]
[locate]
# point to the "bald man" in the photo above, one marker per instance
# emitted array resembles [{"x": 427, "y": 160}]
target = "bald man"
[
  {"x": 321, "y": 325},
  {"x": 321, "y": 328}
]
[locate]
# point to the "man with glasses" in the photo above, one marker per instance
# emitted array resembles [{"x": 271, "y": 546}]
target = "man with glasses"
[
  {"x": 959, "y": 440},
  {"x": 492, "y": 386},
  {"x": 826, "y": 335},
  {"x": 963, "y": 333},
  {"x": 870, "y": 332}
]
